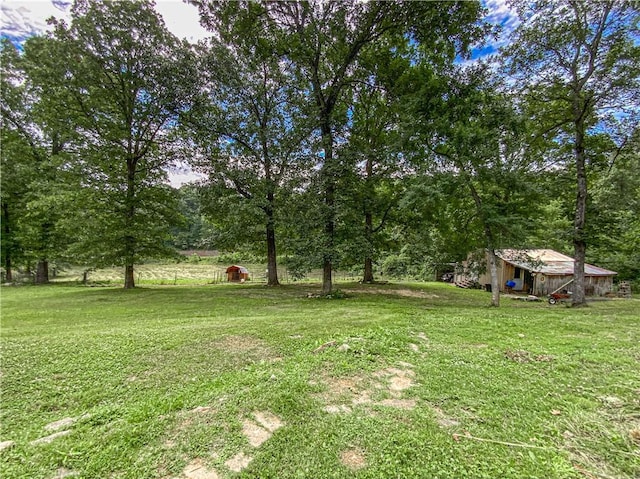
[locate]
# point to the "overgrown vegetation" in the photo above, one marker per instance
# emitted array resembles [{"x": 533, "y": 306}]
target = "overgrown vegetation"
[{"x": 401, "y": 380}]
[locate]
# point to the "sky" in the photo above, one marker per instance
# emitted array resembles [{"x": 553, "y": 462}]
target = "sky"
[{"x": 20, "y": 19}]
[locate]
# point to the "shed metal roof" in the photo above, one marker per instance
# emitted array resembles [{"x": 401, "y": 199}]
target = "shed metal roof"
[
  {"x": 235, "y": 267},
  {"x": 549, "y": 262}
]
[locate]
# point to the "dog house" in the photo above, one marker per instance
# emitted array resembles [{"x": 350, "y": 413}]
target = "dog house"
[{"x": 237, "y": 273}]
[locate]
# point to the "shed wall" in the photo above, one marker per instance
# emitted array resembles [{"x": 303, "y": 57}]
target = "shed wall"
[
  {"x": 593, "y": 285},
  {"x": 546, "y": 284}
]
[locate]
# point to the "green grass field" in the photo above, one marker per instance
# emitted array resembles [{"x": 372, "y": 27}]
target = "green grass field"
[
  {"x": 395, "y": 381},
  {"x": 187, "y": 273}
]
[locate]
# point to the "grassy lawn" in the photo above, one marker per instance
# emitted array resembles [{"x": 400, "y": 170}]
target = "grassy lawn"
[{"x": 402, "y": 381}]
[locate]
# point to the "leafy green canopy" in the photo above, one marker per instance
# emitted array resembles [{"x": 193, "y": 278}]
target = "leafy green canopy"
[
  {"x": 578, "y": 63},
  {"x": 123, "y": 76}
]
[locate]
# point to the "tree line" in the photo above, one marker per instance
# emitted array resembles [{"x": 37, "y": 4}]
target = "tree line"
[{"x": 336, "y": 132}]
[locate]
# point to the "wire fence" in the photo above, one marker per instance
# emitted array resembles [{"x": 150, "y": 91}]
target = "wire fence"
[{"x": 175, "y": 273}]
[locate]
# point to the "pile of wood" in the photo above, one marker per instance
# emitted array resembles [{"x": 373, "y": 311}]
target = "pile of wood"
[
  {"x": 465, "y": 283},
  {"x": 624, "y": 289}
]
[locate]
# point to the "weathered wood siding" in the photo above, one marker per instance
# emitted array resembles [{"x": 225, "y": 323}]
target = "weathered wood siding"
[{"x": 593, "y": 285}]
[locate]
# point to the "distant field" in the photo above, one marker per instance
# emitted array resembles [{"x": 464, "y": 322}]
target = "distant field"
[
  {"x": 245, "y": 381},
  {"x": 195, "y": 273},
  {"x": 204, "y": 272}
]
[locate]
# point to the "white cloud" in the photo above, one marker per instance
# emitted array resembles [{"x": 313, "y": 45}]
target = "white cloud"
[
  {"x": 176, "y": 180},
  {"x": 182, "y": 20},
  {"x": 180, "y": 172},
  {"x": 24, "y": 18},
  {"x": 499, "y": 13}
]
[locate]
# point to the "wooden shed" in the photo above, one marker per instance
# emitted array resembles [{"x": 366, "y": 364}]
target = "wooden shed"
[
  {"x": 238, "y": 274},
  {"x": 543, "y": 271}
]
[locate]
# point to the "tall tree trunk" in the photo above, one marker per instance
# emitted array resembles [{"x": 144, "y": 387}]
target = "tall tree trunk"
[
  {"x": 42, "y": 272},
  {"x": 368, "y": 260},
  {"x": 329, "y": 231},
  {"x": 368, "y": 271},
  {"x": 6, "y": 231},
  {"x": 129, "y": 282},
  {"x": 493, "y": 273},
  {"x": 368, "y": 222},
  {"x": 8, "y": 271},
  {"x": 328, "y": 176},
  {"x": 579, "y": 243},
  {"x": 129, "y": 239},
  {"x": 272, "y": 265},
  {"x": 488, "y": 234}
]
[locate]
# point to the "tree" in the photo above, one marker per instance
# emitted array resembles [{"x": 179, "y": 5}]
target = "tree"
[
  {"x": 373, "y": 185},
  {"x": 15, "y": 174},
  {"x": 124, "y": 74},
  {"x": 325, "y": 41},
  {"x": 249, "y": 134},
  {"x": 477, "y": 136},
  {"x": 615, "y": 203},
  {"x": 440, "y": 220},
  {"x": 195, "y": 232},
  {"x": 35, "y": 137},
  {"x": 580, "y": 63},
  {"x": 14, "y": 156}
]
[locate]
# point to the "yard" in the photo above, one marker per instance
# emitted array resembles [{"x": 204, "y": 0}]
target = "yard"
[{"x": 405, "y": 380}]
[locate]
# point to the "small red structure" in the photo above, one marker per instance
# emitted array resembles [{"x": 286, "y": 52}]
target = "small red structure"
[{"x": 238, "y": 274}]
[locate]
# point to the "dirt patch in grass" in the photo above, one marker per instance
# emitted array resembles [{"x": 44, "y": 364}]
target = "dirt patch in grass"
[
  {"x": 348, "y": 391},
  {"x": 333, "y": 409},
  {"x": 393, "y": 291},
  {"x": 257, "y": 430},
  {"x": 268, "y": 420},
  {"x": 203, "y": 410},
  {"x": 255, "y": 434},
  {"x": 399, "y": 403},
  {"x": 60, "y": 424},
  {"x": 238, "y": 462},
  {"x": 344, "y": 393},
  {"x": 443, "y": 419},
  {"x": 260, "y": 430},
  {"x": 63, "y": 473},
  {"x": 6, "y": 445},
  {"x": 397, "y": 379},
  {"x": 353, "y": 459},
  {"x": 50, "y": 438},
  {"x": 346, "y": 386},
  {"x": 246, "y": 346},
  {"x": 196, "y": 469}
]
